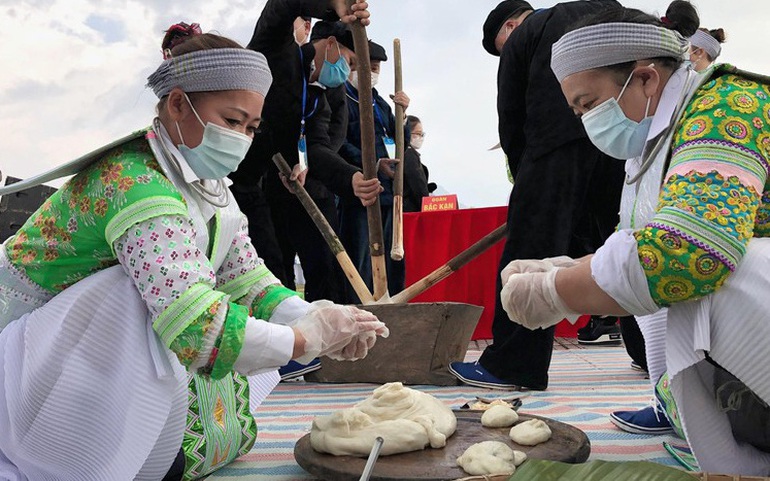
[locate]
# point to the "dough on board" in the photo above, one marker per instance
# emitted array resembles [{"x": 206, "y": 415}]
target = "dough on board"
[
  {"x": 488, "y": 457},
  {"x": 499, "y": 417},
  {"x": 530, "y": 433},
  {"x": 407, "y": 419}
]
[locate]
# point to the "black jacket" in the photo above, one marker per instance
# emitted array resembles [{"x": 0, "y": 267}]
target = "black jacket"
[
  {"x": 282, "y": 112},
  {"x": 326, "y": 129},
  {"x": 384, "y": 124},
  {"x": 415, "y": 181},
  {"x": 533, "y": 115}
]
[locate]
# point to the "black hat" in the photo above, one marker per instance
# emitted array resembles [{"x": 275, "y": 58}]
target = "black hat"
[
  {"x": 338, "y": 30},
  {"x": 377, "y": 52},
  {"x": 497, "y": 18}
]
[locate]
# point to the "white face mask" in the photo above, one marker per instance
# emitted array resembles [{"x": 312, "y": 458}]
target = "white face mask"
[
  {"x": 220, "y": 152},
  {"x": 354, "y": 78},
  {"x": 615, "y": 134},
  {"x": 416, "y": 142}
]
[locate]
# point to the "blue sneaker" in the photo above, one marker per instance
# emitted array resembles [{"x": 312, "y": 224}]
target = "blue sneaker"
[
  {"x": 294, "y": 369},
  {"x": 644, "y": 421},
  {"x": 474, "y": 374}
]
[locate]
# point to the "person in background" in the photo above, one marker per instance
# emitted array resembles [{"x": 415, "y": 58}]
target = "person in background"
[
  {"x": 705, "y": 47},
  {"x": 133, "y": 302},
  {"x": 415, "y": 172},
  {"x": 566, "y": 192},
  {"x": 353, "y": 221},
  {"x": 293, "y": 113},
  {"x": 691, "y": 256}
]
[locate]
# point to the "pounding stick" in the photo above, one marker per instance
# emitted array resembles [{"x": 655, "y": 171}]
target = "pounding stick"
[
  {"x": 369, "y": 155},
  {"x": 455, "y": 263},
  {"x": 326, "y": 231},
  {"x": 397, "y": 247}
]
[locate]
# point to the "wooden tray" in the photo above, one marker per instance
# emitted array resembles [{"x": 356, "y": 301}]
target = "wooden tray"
[{"x": 567, "y": 444}]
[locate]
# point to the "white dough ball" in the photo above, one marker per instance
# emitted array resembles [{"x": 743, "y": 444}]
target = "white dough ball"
[
  {"x": 488, "y": 457},
  {"x": 519, "y": 457},
  {"x": 499, "y": 417},
  {"x": 530, "y": 433}
]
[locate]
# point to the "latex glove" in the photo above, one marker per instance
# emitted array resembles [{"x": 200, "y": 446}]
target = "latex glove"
[
  {"x": 530, "y": 299},
  {"x": 357, "y": 349},
  {"x": 329, "y": 329},
  {"x": 522, "y": 266}
]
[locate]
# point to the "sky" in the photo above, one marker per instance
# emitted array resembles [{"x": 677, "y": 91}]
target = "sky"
[{"x": 74, "y": 73}]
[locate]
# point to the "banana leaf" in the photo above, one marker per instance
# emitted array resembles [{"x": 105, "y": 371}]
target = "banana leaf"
[{"x": 540, "y": 470}]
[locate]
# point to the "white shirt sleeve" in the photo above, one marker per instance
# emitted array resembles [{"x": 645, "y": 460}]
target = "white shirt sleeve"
[
  {"x": 266, "y": 347},
  {"x": 616, "y": 269}
]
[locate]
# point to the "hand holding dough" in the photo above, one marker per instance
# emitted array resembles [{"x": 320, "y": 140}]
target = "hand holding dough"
[
  {"x": 530, "y": 433},
  {"x": 499, "y": 417}
]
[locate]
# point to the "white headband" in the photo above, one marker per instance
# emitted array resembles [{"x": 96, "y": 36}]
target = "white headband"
[
  {"x": 611, "y": 44},
  {"x": 708, "y": 43}
]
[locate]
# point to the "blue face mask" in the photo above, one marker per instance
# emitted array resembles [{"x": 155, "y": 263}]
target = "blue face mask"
[
  {"x": 333, "y": 75},
  {"x": 615, "y": 134},
  {"x": 220, "y": 152}
]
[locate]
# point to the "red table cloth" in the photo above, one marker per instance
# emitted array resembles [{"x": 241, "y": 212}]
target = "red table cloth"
[{"x": 432, "y": 238}]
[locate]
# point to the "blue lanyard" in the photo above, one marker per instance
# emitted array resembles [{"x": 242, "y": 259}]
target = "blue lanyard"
[
  {"x": 353, "y": 95},
  {"x": 304, "y": 96}
]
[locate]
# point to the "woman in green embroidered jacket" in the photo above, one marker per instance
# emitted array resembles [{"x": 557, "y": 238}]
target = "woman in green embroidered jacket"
[
  {"x": 691, "y": 257},
  {"x": 138, "y": 271}
]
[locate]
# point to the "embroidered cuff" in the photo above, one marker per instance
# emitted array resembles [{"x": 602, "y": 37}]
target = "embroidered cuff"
[
  {"x": 191, "y": 304},
  {"x": 232, "y": 341},
  {"x": 269, "y": 299}
]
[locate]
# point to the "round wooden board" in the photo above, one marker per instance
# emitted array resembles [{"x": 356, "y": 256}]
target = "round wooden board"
[{"x": 567, "y": 444}]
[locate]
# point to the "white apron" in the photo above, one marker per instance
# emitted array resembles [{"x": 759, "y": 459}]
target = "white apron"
[{"x": 87, "y": 390}]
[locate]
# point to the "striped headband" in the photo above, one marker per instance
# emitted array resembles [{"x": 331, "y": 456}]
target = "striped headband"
[
  {"x": 708, "y": 43},
  {"x": 211, "y": 70},
  {"x": 611, "y": 44}
]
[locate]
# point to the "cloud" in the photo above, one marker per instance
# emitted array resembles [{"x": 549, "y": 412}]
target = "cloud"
[{"x": 74, "y": 73}]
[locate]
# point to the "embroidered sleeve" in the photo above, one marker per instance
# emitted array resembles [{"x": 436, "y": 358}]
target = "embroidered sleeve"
[
  {"x": 711, "y": 194},
  {"x": 177, "y": 282},
  {"x": 244, "y": 276}
]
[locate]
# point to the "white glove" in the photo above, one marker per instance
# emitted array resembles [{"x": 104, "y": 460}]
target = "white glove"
[
  {"x": 530, "y": 299},
  {"x": 357, "y": 348},
  {"x": 340, "y": 332},
  {"x": 522, "y": 266}
]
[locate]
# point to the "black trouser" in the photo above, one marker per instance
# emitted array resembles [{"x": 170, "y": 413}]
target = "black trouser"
[
  {"x": 633, "y": 339},
  {"x": 296, "y": 232},
  {"x": 253, "y": 203},
  {"x": 176, "y": 471},
  {"x": 564, "y": 203}
]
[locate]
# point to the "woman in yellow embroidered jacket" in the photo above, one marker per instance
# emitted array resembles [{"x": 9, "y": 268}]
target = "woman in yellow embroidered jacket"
[
  {"x": 691, "y": 258},
  {"x": 138, "y": 271}
]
